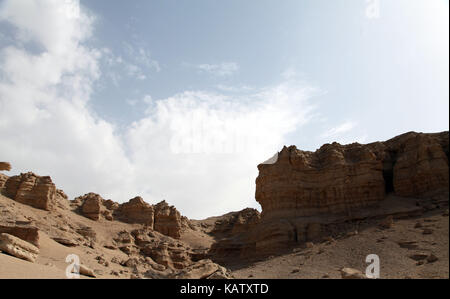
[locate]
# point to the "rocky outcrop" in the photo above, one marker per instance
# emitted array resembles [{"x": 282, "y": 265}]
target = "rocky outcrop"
[
  {"x": 5, "y": 166},
  {"x": 94, "y": 207},
  {"x": 305, "y": 195},
  {"x": 136, "y": 211},
  {"x": 18, "y": 247},
  {"x": 33, "y": 190},
  {"x": 146, "y": 247},
  {"x": 27, "y": 233},
  {"x": 350, "y": 273},
  {"x": 420, "y": 163},
  {"x": 83, "y": 270},
  {"x": 236, "y": 222},
  {"x": 334, "y": 179},
  {"x": 161, "y": 217},
  {"x": 167, "y": 220},
  {"x": 339, "y": 178}
]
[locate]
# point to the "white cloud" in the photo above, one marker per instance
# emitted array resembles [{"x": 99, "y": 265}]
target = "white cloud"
[
  {"x": 343, "y": 134},
  {"x": 46, "y": 125},
  {"x": 222, "y": 69},
  {"x": 235, "y": 89},
  {"x": 339, "y": 130},
  {"x": 200, "y": 150},
  {"x": 44, "y": 120}
]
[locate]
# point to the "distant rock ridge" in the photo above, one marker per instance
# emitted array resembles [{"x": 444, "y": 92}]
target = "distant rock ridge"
[
  {"x": 160, "y": 217},
  {"x": 40, "y": 192}
]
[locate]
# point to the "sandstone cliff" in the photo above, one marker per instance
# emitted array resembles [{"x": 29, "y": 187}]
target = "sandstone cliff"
[
  {"x": 307, "y": 195},
  {"x": 33, "y": 190},
  {"x": 338, "y": 178}
]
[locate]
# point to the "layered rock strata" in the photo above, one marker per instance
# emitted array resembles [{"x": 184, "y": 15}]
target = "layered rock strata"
[
  {"x": 33, "y": 190},
  {"x": 306, "y": 195}
]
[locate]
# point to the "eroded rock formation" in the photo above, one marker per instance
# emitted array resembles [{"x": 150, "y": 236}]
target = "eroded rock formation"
[
  {"x": 94, "y": 207},
  {"x": 27, "y": 233},
  {"x": 18, "y": 247},
  {"x": 305, "y": 195},
  {"x": 33, "y": 190},
  {"x": 236, "y": 222},
  {"x": 137, "y": 211},
  {"x": 339, "y": 178},
  {"x": 167, "y": 220}
]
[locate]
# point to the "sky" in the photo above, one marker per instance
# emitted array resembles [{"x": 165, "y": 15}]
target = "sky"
[{"x": 180, "y": 100}]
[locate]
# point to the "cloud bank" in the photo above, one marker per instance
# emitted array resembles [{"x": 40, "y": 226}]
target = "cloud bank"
[{"x": 196, "y": 149}]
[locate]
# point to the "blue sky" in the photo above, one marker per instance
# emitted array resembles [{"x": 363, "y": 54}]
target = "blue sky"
[
  {"x": 378, "y": 66},
  {"x": 125, "y": 99}
]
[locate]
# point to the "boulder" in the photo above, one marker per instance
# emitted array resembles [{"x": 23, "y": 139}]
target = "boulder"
[
  {"x": 88, "y": 233},
  {"x": 84, "y": 270},
  {"x": 350, "y": 273},
  {"x": 66, "y": 241},
  {"x": 203, "y": 269},
  {"x": 27, "y": 233},
  {"x": 18, "y": 247}
]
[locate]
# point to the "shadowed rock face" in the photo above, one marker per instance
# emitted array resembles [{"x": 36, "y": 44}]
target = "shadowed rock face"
[
  {"x": 421, "y": 165},
  {"x": 236, "y": 222}
]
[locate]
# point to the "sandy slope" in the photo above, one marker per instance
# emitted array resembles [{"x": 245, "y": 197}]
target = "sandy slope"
[
  {"x": 51, "y": 261},
  {"x": 324, "y": 260}
]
